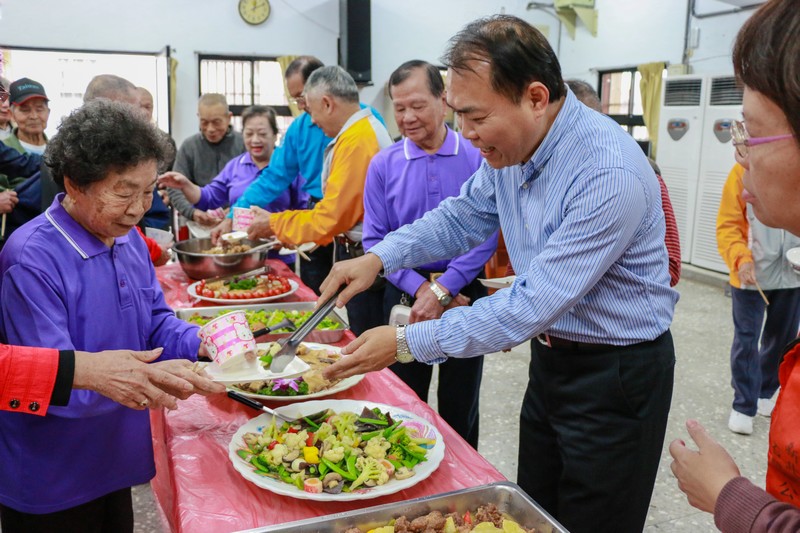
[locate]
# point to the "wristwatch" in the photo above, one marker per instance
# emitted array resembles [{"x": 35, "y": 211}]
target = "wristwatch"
[
  {"x": 443, "y": 297},
  {"x": 403, "y": 354}
]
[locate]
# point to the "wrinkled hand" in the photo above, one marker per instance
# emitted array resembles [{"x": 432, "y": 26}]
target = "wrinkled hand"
[
  {"x": 426, "y": 305},
  {"x": 220, "y": 229},
  {"x": 259, "y": 228},
  {"x": 174, "y": 180},
  {"x": 703, "y": 473},
  {"x": 8, "y": 201},
  {"x": 358, "y": 274},
  {"x": 374, "y": 350},
  {"x": 747, "y": 273},
  {"x": 165, "y": 256},
  {"x": 125, "y": 377},
  {"x": 204, "y": 218}
]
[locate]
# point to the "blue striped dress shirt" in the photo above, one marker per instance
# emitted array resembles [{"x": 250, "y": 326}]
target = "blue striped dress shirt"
[{"x": 584, "y": 228}]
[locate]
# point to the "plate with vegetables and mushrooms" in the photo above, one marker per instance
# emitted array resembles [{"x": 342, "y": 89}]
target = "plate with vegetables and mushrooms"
[
  {"x": 311, "y": 384},
  {"x": 337, "y": 450},
  {"x": 248, "y": 289}
]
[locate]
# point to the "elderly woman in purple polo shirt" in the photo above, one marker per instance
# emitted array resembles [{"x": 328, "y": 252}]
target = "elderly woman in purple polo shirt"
[
  {"x": 259, "y": 129},
  {"x": 79, "y": 277}
]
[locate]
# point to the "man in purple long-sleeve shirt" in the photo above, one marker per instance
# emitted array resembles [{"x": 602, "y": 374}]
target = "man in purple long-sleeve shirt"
[{"x": 405, "y": 181}]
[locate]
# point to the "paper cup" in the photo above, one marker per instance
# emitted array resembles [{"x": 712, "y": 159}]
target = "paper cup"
[
  {"x": 242, "y": 218},
  {"x": 793, "y": 256},
  {"x": 228, "y": 338}
]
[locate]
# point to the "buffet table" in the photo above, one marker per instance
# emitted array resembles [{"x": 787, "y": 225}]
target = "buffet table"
[{"x": 197, "y": 488}]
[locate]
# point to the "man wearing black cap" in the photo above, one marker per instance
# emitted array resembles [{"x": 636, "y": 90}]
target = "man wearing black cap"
[{"x": 30, "y": 111}]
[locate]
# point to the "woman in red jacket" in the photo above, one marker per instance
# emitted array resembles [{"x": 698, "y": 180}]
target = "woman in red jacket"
[{"x": 31, "y": 379}]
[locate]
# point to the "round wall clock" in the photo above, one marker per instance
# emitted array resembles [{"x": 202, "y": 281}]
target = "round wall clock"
[{"x": 254, "y": 11}]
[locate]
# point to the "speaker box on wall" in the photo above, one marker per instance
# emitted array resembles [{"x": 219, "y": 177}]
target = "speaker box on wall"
[{"x": 355, "y": 48}]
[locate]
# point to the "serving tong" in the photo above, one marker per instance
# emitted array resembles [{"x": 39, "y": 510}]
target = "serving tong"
[
  {"x": 255, "y": 272},
  {"x": 241, "y": 398},
  {"x": 289, "y": 345}
]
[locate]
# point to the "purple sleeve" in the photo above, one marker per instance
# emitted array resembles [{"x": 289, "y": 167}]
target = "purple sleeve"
[
  {"x": 746, "y": 508},
  {"x": 377, "y": 224},
  {"x": 465, "y": 268},
  {"x": 215, "y": 194}
]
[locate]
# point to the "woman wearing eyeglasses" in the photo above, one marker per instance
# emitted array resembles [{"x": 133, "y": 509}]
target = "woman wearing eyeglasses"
[{"x": 765, "y": 59}]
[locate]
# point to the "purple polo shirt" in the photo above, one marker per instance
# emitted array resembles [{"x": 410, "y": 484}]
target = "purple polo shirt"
[
  {"x": 229, "y": 185},
  {"x": 63, "y": 288},
  {"x": 240, "y": 172},
  {"x": 403, "y": 183}
]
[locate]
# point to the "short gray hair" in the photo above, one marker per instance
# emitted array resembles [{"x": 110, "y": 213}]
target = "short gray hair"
[
  {"x": 334, "y": 81},
  {"x": 212, "y": 99}
]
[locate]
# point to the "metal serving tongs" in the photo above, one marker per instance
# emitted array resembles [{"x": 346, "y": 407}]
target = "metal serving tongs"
[
  {"x": 285, "y": 323},
  {"x": 260, "y": 270},
  {"x": 289, "y": 345}
]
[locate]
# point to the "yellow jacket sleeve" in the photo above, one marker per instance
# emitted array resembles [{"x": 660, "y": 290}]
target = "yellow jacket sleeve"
[
  {"x": 732, "y": 225},
  {"x": 342, "y": 206}
]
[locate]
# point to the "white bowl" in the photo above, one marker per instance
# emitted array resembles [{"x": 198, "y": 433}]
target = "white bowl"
[{"x": 793, "y": 256}]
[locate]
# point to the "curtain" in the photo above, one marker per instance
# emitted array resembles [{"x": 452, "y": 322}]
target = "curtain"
[
  {"x": 650, "y": 89},
  {"x": 173, "y": 86},
  {"x": 284, "y": 61}
]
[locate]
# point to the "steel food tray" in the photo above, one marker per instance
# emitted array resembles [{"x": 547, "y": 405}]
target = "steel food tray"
[
  {"x": 322, "y": 336},
  {"x": 508, "y": 497}
]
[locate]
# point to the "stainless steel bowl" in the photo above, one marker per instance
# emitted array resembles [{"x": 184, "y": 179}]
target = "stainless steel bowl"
[{"x": 200, "y": 265}]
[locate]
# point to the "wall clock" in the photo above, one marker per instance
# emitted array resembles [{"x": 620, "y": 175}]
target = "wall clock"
[{"x": 254, "y": 11}]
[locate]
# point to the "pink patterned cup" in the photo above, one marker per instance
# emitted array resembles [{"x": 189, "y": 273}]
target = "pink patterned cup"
[
  {"x": 228, "y": 339},
  {"x": 242, "y": 218}
]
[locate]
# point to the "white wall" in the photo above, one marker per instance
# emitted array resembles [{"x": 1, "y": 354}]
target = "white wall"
[{"x": 630, "y": 32}]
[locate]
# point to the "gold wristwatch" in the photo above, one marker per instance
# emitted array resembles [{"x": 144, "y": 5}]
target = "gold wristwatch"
[
  {"x": 443, "y": 297},
  {"x": 403, "y": 354}
]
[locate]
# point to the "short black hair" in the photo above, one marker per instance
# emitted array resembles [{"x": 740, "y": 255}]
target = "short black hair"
[
  {"x": 517, "y": 52},
  {"x": 100, "y": 137},
  {"x": 765, "y": 57},
  {"x": 261, "y": 111},
  {"x": 401, "y": 74},
  {"x": 305, "y": 65}
]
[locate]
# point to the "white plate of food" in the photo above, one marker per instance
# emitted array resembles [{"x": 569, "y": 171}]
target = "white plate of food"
[
  {"x": 196, "y": 291},
  {"x": 256, "y": 371},
  {"x": 261, "y": 465},
  {"x": 498, "y": 283}
]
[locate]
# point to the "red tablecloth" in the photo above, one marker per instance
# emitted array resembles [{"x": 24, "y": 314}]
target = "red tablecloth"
[{"x": 198, "y": 490}]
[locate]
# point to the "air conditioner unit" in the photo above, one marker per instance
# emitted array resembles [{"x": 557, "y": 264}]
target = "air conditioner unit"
[
  {"x": 723, "y": 106},
  {"x": 682, "y": 113}
]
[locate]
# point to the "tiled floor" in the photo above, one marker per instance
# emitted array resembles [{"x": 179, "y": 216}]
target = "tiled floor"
[{"x": 702, "y": 331}]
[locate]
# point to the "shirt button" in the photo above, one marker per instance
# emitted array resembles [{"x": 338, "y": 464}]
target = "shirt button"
[
  {"x": 34, "y": 406},
  {"x": 14, "y": 404},
  {"x": 122, "y": 283},
  {"x": 524, "y": 185}
]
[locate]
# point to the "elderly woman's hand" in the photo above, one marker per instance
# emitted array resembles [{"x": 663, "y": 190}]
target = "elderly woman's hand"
[
  {"x": 703, "y": 473},
  {"x": 8, "y": 201},
  {"x": 125, "y": 377}
]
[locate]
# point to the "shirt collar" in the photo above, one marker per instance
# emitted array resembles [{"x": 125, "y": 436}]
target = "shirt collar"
[
  {"x": 83, "y": 242},
  {"x": 561, "y": 127},
  {"x": 355, "y": 117},
  {"x": 450, "y": 146}
]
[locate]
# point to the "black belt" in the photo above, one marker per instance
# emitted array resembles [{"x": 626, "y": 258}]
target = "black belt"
[{"x": 575, "y": 346}]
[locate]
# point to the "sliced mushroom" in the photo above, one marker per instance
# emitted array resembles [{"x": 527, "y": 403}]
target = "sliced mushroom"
[
  {"x": 291, "y": 456},
  {"x": 403, "y": 473},
  {"x": 298, "y": 465},
  {"x": 332, "y": 483}
]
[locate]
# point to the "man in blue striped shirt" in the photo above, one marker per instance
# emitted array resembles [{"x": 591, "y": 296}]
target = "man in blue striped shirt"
[{"x": 580, "y": 210}]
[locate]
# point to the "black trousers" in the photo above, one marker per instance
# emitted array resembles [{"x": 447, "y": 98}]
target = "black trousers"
[
  {"x": 458, "y": 393},
  {"x": 363, "y": 309},
  {"x": 112, "y": 513},
  {"x": 591, "y": 432},
  {"x": 314, "y": 272}
]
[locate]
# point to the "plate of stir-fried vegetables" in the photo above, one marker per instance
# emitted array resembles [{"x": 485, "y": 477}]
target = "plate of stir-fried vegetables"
[{"x": 337, "y": 450}]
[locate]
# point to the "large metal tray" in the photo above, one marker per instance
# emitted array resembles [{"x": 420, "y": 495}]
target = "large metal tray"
[
  {"x": 507, "y": 496},
  {"x": 327, "y": 336}
]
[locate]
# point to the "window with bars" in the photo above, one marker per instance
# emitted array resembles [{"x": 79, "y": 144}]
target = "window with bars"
[
  {"x": 621, "y": 99},
  {"x": 246, "y": 81}
]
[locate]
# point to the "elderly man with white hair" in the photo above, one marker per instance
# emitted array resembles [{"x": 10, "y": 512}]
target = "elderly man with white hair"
[{"x": 331, "y": 98}]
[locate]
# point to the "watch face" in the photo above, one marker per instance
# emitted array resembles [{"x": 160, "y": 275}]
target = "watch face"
[
  {"x": 404, "y": 357},
  {"x": 254, "y": 11}
]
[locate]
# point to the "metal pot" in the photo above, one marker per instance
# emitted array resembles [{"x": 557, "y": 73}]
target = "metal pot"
[{"x": 200, "y": 265}]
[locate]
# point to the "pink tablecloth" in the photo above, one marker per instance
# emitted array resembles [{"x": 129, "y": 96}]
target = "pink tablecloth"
[{"x": 198, "y": 490}]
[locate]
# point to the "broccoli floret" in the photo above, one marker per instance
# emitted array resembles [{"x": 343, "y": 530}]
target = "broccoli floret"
[
  {"x": 376, "y": 447},
  {"x": 370, "y": 469}
]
